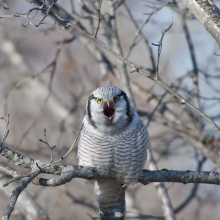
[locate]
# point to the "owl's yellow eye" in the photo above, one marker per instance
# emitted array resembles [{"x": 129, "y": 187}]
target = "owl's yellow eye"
[
  {"x": 116, "y": 99},
  {"x": 99, "y": 101}
]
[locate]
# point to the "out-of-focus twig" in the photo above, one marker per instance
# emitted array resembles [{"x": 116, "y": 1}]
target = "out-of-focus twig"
[
  {"x": 193, "y": 57},
  {"x": 15, "y": 194},
  {"x": 99, "y": 18},
  {"x": 26, "y": 204},
  {"x": 53, "y": 65},
  {"x": 182, "y": 100},
  {"x": 6, "y": 132},
  {"x": 159, "y": 45},
  {"x": 162, "y": 192},
  {"x": 50, "y": 148},
  {"x": 155, "y": 109}
]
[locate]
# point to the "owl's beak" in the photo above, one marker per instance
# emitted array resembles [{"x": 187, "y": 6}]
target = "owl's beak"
[
  {"x": 109, "y": 110},
  {"x": 108, "y": 103}
]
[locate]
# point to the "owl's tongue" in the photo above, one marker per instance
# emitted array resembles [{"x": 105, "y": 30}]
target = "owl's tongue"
[{"x": 109, "y": 111}]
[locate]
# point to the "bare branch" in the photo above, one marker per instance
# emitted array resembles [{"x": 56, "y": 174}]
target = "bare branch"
[
  {"x": 73, "y": 145},
  {"x": 26, "y": 204},
  {"x": 6, "y": 130},
  {"x": 139, "y": 32},
  {"x": 67, "y": 173},
  {"x": 193, "y": 58},
  {"x": 159, "y": 45},
  {"x": 208, "y": 14},
  {"x": 99, "y": 19},
  {"x": 193, "y": 190},
  {"x": 16, "y": 192},
  {"x": 50, "y": 148},
  {"x": 155, "y": 109},
  {"x": 53, "y": 65}
]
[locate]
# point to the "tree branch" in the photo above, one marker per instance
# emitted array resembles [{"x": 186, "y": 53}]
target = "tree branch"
[
  {"x": 208, "y": 14},
  {"x": 15, "y": 194},
  {"x": 67, "y": 173},
  {"x": 26, "y": 204}
]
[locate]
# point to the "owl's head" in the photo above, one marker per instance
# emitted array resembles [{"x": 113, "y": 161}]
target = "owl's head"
[{"x": 109, "y": 108}]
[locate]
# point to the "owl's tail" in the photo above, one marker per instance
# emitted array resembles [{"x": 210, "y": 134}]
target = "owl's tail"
[{"x": 111, "y": 197}]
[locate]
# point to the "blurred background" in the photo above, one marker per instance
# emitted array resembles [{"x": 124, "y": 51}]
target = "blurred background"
[{"x": 47, "y": 74}]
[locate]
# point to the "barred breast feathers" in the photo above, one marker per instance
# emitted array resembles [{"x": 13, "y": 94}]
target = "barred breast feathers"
[{"x": 124, "y": 152}]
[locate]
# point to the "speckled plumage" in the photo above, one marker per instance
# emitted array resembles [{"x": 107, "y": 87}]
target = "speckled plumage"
[{"x": 113, "y": 138}]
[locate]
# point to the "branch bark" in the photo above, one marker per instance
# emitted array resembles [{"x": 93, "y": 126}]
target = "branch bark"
[
  {"x": 67, "y": 173},
  {"x": 27, "y": 205},
  {"x": 208, "y": 14}
]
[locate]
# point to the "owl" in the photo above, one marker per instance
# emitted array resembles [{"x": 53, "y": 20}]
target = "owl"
[{"x": 115, "y": 139}]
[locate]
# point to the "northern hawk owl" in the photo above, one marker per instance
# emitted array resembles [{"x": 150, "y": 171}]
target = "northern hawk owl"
[{"x": 115, "y": 139}]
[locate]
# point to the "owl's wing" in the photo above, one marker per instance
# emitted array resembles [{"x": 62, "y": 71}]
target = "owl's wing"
[{"x": 131, "y": 152}]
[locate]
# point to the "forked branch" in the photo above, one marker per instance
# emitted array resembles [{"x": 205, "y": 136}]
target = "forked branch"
[{"x": 182, "y": 100}]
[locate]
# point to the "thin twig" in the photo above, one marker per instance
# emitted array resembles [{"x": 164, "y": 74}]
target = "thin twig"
[
  {"x": 50, "y": 164},
  {"x": 34, "y": 122},
  {"x": 71, "y": 148},
  {"x": 139, "y": 31},
  {"x": 193, "y": 190},
  {"x": 53, "y": 65},
  {"x": 29, "y": 77},
  {"x": 193, "y": 58},
  {"x": 50, "y": 148},
  {"x": 155, "y": 109},
  {"x": 159, "y": 45},
  {"x": 6, "y": 132},
  {"x": 15, "y": 194},
  {"x": 37, "y": 9},
  {"x": 19, "y": 177},
  {"x": 99, "y": 19}
]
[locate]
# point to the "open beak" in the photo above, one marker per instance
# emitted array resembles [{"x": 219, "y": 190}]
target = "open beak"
[
  {"x": 108, "y": 103},
  {"x": 109, "y": 110}
]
